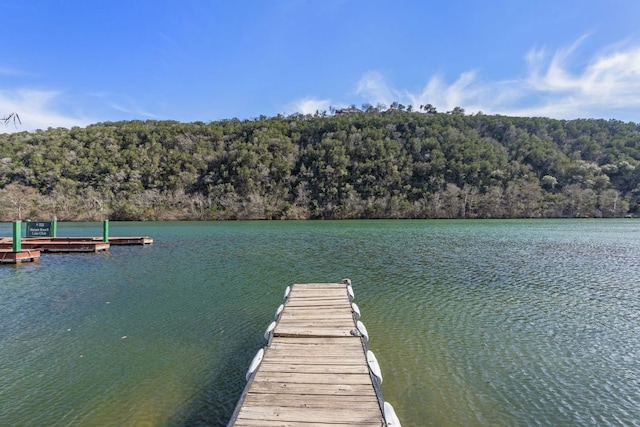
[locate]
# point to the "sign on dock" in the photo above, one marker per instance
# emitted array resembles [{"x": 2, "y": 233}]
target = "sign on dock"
[{"x": 40, "y": 229}]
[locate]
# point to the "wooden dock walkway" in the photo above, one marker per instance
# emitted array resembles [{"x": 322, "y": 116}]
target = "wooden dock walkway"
[{"x": 314, "y": 370}]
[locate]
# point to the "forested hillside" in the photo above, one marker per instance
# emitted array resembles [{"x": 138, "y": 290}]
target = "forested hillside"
[{"x": 375, "y": 164}]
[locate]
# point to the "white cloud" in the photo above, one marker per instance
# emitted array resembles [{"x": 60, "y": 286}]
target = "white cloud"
[
  {"x": 375, "y": 90},
  {"x": 309, "y": 105},
  {"x": 134, "y": 109},
  {"x": 373, "y": 86},
  {"x": 9, "y": 72},
  {"x": 36, "y": 110},
  {"x": 608, "y": 86},
  {"x": 447, "y": 97}
]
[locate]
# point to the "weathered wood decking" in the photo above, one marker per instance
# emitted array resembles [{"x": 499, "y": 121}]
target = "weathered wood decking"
[{"x": 314, "y": 370}]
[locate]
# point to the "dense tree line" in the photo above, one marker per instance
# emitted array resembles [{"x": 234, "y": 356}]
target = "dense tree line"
[{"x": 376, "y": 163}]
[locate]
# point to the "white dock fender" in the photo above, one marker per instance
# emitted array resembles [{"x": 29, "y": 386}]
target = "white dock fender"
[
  {"x": 287, "y": 291},
  {"x": 355, "y": 309},
  {"x": 269, "y": 331},
  {"x": 279, "y": 311},
  {"x": 362, "y": 330},
  {"x": 350, "y": 292},
  {"x": 255, "y": 363},
  {"x": 390, "y": 416},
  {"x": 374, "y": 366}
]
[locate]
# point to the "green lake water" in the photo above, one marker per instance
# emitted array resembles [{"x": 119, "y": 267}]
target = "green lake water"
[{"x": 474, "y": 323}]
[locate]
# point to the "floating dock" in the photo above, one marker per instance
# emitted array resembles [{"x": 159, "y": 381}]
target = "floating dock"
[
  {"x": 113, "y": 240},
  {"x": 142, "y": 240},
  {"x": 48, "y": 245},
  {"x": 73, "y": 244},
  {"x": 316, "y": 368},
  {"x": 43, "y": 238},
  {"x": 7, "y": 256}
]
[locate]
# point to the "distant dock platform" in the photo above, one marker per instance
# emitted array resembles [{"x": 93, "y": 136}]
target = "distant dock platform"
[
  {"x": 72, "y": 244},
  {"x": 316, "y": 368},
  {"x": 7, "y": 256},
  {"x": 113, "y": 240}
]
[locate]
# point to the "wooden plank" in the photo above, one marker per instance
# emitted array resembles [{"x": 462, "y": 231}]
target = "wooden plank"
[
  {"x": 314, "y": 312},
  {"x": 348, "y": 344},
  {"x": 311, "y": 307},
  {"x": 317, "y": 293},
  {"x": 282, "y": 349},
  {"x": 316, "y": 303},
  {"x": 311, "y": 317},
  {"x": 311, "y": 400},
  {"x": 342, "y": 321},
  {"x": 321, "y": 359},
  {"x": 319, "y": 341},
  {"x": 336, "y": 415},
  {"x": 332, "y": 298},
  {"x": 317, "y": 312},
  {"x": 312, "y": 378},
  {"x": 285, "y": 366},
  {"x": 272, "y": 423},
  {"x": 321, "y": 324},
  {"x": 319, "y": 285},
  {"x": 313, "y": 332},
  {"x": 301, "y": 358}
]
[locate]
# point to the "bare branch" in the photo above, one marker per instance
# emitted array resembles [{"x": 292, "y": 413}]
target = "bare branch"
[{"x": 12, "y": 117}]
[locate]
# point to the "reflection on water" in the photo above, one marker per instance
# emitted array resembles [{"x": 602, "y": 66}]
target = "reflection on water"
[{"x": 473, "y": 322}]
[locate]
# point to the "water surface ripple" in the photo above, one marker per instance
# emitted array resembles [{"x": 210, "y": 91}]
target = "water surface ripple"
[{"x": 473, "y": 322}]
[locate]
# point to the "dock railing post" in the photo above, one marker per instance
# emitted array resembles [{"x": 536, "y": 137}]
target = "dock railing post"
[
  {"x": 17, "y": 236},
  {"x": 54, "y": 227},
  {"x": 105, "y": 231}
]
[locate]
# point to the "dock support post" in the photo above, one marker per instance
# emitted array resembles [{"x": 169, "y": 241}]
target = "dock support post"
[
  {"x": 17, "y": 236},
  {"x": 54, "y": 227},
  {"x": 105, "y": 231}
]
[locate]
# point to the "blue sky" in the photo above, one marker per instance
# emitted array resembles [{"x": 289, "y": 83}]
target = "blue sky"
[{"x": 71, "y": 63}]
